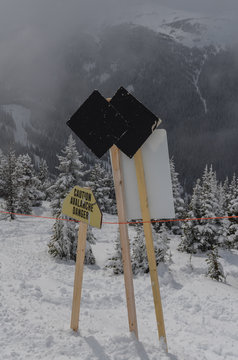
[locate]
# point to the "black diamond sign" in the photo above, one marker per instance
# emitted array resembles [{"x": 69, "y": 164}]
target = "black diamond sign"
[
  {"x": 142, "y": 122},
  {"x": 123, "y": 121},
  {"x": 98, "y": 124}
]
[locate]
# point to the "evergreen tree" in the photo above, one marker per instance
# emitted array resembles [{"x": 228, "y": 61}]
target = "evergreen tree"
[
  {"x": 3, "y": 164},
  {"x": 70, "y": 172},
  {"x": 206, "y": 202},
  {"x": 115, "y": 262},
  {"x": 43, "y": 177},
  {"x": 226, "y": 193},
  {"x": 63, "y": 243},
  {"x": 215, "y": 269},
  {"x": 11, "y": 184},
  {"x": 101, "y": 183},
  {"x": 207, "y": 230},
  {"x": 188, "y": 238},
  {"x": 139, "y": 259},
  {"x": 232, "y": 231},
  {"x": 163, "y": 244},
  {"x": 24, "y": 173},
  {"x": 195, "y": 204},
  {"x": 89, "y": 256},
  {"x": 179, "y": 205}
]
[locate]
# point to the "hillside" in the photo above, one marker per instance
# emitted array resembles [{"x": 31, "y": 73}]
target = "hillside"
[{"x": 36, "y": 296}]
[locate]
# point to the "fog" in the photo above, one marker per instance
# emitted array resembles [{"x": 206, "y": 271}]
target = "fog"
[{"x": 33, "y": 33}]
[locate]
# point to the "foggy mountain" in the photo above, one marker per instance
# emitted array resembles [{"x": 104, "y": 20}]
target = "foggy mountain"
[{"x": 177, "y": 68}]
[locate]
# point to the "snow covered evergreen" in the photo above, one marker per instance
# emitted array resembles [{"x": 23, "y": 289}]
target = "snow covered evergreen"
[
  {"x": 139, "y": 259},
  {"x": 70, "y": 173},
  {"x": 215, "y": 269},
  {"x": 63, "y": 243},
  {"x": 43, "y": 177},
  {"x": 3, "y": 163},
  {"x": 10, "y": 183},
  {"x": 207, "y": 202},
  {"x": 101, "y": 183},
  {"x": 179, "y": 204},
  {"x": 232, "y": 209},
  {"x": 115, "y": 261},
  {"x": 28, "y": 185}
]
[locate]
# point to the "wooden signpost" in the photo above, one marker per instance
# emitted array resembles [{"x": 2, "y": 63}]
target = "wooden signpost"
[
  {"x": 127, "y": 124},
  {"x": 124, "y": 237},
  {"x": 80, "y": 204},
  {"x": 149, "y": 244}
]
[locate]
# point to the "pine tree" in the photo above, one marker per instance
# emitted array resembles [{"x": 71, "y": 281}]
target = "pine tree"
[
  {"x": 163, "y": 244},
  {"x": 115, "y": 261},
  {"x": 226, "y": 194},
  {"x": 63, "y": 243},
  {"x": 3, "y": 164},
  {"x": 11, "y": 184},
  {"x": 24, "y": 173},
  {"x": 139, "y": 259},
  {"x": 207, "y": 233},
  {"x": 70, "y": 171},
  {"x": 232, "y": 231},
  {"x": 195, "y": 204},
  {"x": 215, "y": 269},
  {"x": 179, "y": 205},
  {"x": 188, "y": 238},
  {"x": 43, "y": 177},
  {"x": 205, "y": 203},
  {"x": 89, "y": 256},
  {"x": 101, "y": 183}
]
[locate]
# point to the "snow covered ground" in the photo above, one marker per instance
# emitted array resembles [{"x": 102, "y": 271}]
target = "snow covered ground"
[{"x": 201, "y": 315}]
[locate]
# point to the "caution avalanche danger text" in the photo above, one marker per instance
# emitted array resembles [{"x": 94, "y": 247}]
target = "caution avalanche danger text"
[{"x": 80, "y": 204}]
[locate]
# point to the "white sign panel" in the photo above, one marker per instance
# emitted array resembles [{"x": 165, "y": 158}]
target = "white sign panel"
[{"x": 157, "y": 175}]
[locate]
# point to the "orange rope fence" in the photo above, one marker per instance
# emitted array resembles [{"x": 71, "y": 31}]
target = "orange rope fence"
[{"x": 128, "y": 222}]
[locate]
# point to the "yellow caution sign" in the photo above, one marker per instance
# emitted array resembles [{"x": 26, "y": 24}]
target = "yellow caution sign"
[{"x": 80, "y": 204}]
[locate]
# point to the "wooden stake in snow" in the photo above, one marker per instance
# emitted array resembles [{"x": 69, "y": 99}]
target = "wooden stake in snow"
[
  {"x": 80, "y": 204},
  {"x": 124, "y": 238},
  {"x": 149, "y": 243},
  {"x": 78, "y": 278}
]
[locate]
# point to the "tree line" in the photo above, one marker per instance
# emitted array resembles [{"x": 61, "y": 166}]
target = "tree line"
[{"x": 24, "y": 186}]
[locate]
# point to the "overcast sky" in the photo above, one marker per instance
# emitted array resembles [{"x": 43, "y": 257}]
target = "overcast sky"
[
  {"x": 68, "y": 13},
  {"x": 31, "y": 30}
]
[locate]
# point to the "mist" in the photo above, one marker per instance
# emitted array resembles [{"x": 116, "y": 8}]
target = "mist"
[{"x": 34, "y": 35}]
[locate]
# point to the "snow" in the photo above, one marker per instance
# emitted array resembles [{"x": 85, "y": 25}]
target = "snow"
[
  {"x": 191, "y": 28},
  {"x": 196, "y": 77},
  {"x": 201, "y": 317},
  {"x": 21, "y": 117}
]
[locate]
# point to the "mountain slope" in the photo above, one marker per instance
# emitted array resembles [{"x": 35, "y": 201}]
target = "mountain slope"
[{"x": 192, "y": 89}]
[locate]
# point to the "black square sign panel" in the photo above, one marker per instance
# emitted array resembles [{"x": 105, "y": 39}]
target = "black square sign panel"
[
  {"x": 98, "y": 124},
  {"x": 141, "y": 122}
]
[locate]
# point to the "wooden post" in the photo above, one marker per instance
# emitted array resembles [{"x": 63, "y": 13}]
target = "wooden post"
[
  {"x": 78, "y": 278},
  {"x": 124, "y": 238},
  {"x": 149, "y": 244}
]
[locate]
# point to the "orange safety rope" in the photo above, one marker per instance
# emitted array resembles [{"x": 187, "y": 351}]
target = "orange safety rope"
[{"x": 128, "y": 222}]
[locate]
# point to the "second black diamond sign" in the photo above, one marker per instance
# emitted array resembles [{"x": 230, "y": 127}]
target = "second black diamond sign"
[{"x": 124, "y": 122}]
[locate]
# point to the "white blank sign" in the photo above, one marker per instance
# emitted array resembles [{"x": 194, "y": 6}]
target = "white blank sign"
[{"x": 157, "y": 175}]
